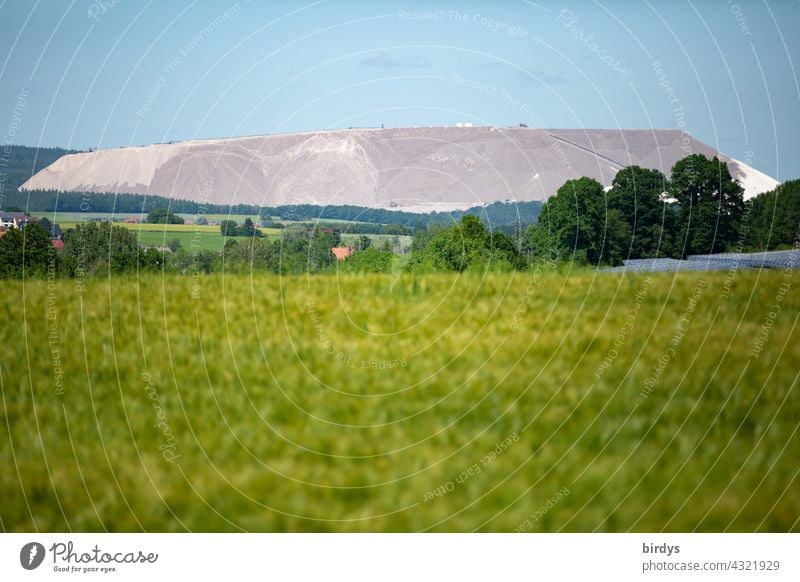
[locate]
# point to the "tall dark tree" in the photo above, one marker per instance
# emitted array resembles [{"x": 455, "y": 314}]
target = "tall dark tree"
[
  {"x": 472, "y": 229},
  {"x": 229, "y": 228},
  {"x": 248, "y": 228},
  {"x": 774, "y": 217},
  {"x": 574, "y": 219},
  {"x": 25, "y": 251},
  {"x": 617, "y": 238},
  {"x": 711, "y": 204},
  {"x": 637, "y": 193}
]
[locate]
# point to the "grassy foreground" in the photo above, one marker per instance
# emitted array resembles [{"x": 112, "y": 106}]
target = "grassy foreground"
[{"x": 519, "y": 402}]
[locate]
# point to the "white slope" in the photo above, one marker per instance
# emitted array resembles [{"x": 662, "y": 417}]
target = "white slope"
[
  {"x": 430, "y": 168},
  {"x": 753, "y": 181}
]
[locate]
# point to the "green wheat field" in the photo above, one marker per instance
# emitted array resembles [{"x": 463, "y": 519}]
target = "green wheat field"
[{"x": 558, "y": 401}]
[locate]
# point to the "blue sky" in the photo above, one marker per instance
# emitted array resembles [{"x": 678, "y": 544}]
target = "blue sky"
[{"x": 108, "y": 73}]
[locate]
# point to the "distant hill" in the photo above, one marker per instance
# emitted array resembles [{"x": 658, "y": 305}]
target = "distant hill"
[
  {"x": 19, "y": 163},
  {"x": 414, "y": 169}
]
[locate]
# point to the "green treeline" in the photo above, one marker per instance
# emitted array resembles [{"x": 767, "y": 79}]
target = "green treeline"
[
  {"x": 52, "y": 201},
  {"x": 495, "y": 214},
  {"x": 774, "y": 218},
  {"x": 233, "y": 228},
  {"x": 699, "y": 210},
  {"x": 100, "y": 248}
]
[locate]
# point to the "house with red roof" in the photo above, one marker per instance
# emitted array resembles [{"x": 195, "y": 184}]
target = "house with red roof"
[{"x": 342, "y": 253}]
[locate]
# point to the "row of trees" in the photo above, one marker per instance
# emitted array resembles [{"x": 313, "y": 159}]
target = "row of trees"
[
  {"x": 301, "y": 249},
  {"x": 698, "y": 210},
  {"x": 89, "y": 249},
  {"x": 497, "y": 214},
  {"x": 54, "y": 201},
  {"x": 232, "y": 228},
  {"x": 99, "y": 248}
]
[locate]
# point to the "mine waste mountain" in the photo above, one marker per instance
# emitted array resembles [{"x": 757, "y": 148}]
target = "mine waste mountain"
[{"x": 414, "y": 169}]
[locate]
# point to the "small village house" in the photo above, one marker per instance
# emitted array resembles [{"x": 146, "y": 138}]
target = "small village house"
[{"x": 342, "y": 253}]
